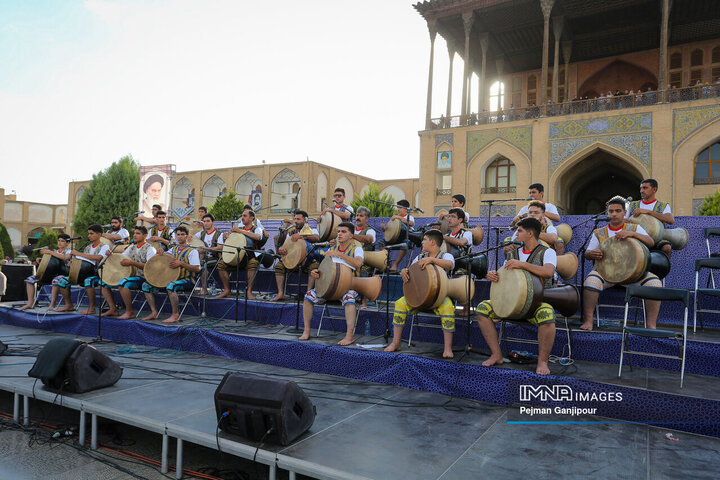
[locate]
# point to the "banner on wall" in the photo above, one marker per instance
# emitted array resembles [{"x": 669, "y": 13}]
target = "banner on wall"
[{"x": 155, "y": 187}]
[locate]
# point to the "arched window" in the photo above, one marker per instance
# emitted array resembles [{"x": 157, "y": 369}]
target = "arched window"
[
  {"x": 285, "y": 189},
  {"x": 500, "y": 177},
  {"x": 213, "y": 189},
  {"x": 706, "y": 170},
  {"x": 497, "y": 96}
]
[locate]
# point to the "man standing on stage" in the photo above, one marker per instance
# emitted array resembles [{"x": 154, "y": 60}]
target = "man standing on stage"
[
  {"x": 649, "y": 205},
  {"x": 536, "y": 191}
]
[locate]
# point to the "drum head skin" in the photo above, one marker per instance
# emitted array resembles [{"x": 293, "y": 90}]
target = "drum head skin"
[
  {"x": 158, "y": 272},
  {"x": 334, "y": 279},
  {"x": 296, "y": 252},
  {"x": 515, "y": 294},
  {"x": 624, "y": 261},
  {"x": 230, "y": 254},
  {"x": 112, "y": 271},
  {"x": 427, "y": 287}
]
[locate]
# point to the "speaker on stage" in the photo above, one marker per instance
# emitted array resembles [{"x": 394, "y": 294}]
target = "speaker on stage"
[
  {"x": 15, "y": 283},
  {"x": 258, "y": 408},
  {"x": 70, "y": 365}
]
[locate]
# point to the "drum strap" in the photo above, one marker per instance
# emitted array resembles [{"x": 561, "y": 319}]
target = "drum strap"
[
  {"x": 603, "y": 233},
  {"x": 658, "y": 208},
  {"x": 537, "y": 256},
  {"x": 183, "y": 254},
  {"x": 349, "y": 251}
]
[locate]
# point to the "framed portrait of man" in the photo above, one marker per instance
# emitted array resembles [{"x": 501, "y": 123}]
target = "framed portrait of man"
[{"x": 444, "y": 160}]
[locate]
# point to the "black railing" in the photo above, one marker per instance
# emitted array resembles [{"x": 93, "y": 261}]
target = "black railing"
[
  {"x": 498, "y": 190},
  {"x": 706, "y": 180},
  {"x": 443, "y": 191},
  {"x": 601, "y": 104}
]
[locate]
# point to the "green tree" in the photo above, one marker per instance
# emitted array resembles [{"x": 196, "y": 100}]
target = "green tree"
[
  {"x": 227, "y": 207},
  {"x": 6, "y": 243},
  {"x": 48, "y": 240},
  {"x": 710, "y": 205},
  {"x": 112, "y": 192},
  {"x": 376, "y": 209}
]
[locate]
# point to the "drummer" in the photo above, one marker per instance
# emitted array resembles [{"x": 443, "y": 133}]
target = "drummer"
[
  {"x": 536, "y": 191},
  {"x": 117, "y": 232},
  {"x": 150, "y": 220},
  {"x": 406, "y": 218},
  {"x": 254, "y": 234},
  {"x": 649, "y": 205},
  {"x": 92, "y": 254},
  {"x": 258, "y": 224},
  {"x": 137, "y": 255},
  {"x": 299, "y": 231},
  {"x": 213, "y": 239},
  {"x": 187, "y": 259},
  {"x": 457, "y": 236},
  {"x": 458, "y": 201},
  {"x": 161, "y": 233},
  {"x": 594, "y": 283},
  {"x": 548, "y": 233},
  {"x": 367, "y": 237},
  {"x": 431, "y": 254},
  {"x": 347, "y": 252},
  {"x": 345, "y": 212},
  {"x": 540, "y": 261},
  {"x": 63, "y": 254}
]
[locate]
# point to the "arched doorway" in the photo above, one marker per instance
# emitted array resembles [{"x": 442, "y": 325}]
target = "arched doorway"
[{"x": 595, "y": 179}]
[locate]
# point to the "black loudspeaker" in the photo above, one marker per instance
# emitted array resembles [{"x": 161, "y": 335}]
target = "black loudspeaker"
[
  {"x": 15, "y": 282},
  {"x": 69, "y": 365},
  {"x": 3, "y": 348},
  {"x": 258, "y": 408}
]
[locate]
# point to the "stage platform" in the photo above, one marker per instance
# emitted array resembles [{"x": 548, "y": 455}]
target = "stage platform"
[{"x": 364, "y": 430}]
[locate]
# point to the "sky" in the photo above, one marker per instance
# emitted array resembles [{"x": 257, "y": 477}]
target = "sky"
[{"x": 211, "y": 84}]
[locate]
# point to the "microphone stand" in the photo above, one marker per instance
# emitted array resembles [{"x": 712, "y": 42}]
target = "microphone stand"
[
  {"x": 101, "y": 265},
  {"x": 298, "y": 269},
  {"x": 490, "y": 203},
  {"x": 581, "y": 258},
  {"x": 387, "y": 273}
]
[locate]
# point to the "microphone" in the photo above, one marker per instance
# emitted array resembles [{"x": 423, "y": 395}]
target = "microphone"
[
  {"x": 513, "y": 242},
  {"x": 109, "y": 225},
  {"x": 420, "y": 210},
  {"x": 74, "y": 238},
  {"x": 320, "y": 244},
  {"x": 394, "y": 247},
  {"x": 603, "y": 218},
  {"x": 629, "y": 199},
  {"x": 141, "y": 211}
]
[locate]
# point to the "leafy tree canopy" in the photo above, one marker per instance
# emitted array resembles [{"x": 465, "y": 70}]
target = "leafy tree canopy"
[
  {"x": 376, "y": 209},
  {"x": 711, "y": 205},
  {"x": 6, "y": 243},
  {"x": 227, "y": 207}
]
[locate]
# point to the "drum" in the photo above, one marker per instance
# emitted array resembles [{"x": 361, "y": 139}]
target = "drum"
[
  {"x": 158, "y": 272},
  {"x": 107, "y": 242},
  {"x": 112, "y": 272},
  {"x": 518, "y": 293},
  {"x": 564, "y": 232},
  {"x": 457, "y": 289},
  {"x": 444, "y": 227},
  {"x": 678, "y": 237},
  {"x": 296, "y": 252},
  {"x": 478, "y": 266},
  {"x": 477, "y": 234},
  {"x": 336, "y": 279},
  {"x": 281, "y": 236},
  {"x": 328, "y": 226},
  {"x": 651, "y": 225},
  {"x": 396, "y": 232},
  {"x": 659, "y": 264},
  {"x": 427, "y": 288},
  {"x": 195, "y": 227},
  {"x": 416, "y": 238},
  {"x": 231, "y": 255},
  {"x": 624, "y": 261},
  {"x": 49, "y": 268},
  {"x": 80, "y": 270},
  {"x": 567, "y": 265},
  {"x": 377, "y": 260}
]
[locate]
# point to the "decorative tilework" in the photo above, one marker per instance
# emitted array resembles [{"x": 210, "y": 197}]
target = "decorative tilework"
[
  {"x": 445, "y": 137},
  {"x": 617, "y": 124},
  {"x": 637, "y": 145},
  {"x": 520, "y": 137},
  {"x": 503, "y": 210},
  {"x": 688, "y": 120},
  {"x": 629, "y": 133}
]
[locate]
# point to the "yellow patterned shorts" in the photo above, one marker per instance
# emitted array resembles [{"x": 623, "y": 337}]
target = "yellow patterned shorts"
[{"x": 544, "y": 313}]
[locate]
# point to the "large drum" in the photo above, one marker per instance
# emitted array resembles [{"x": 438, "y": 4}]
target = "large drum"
[
  {"x": 49, "y": 268},
  {"x": 336, "y": 279},
  {"x": 107, "y": 242},
  {"x": 377, "y": 260},
  {"x": 396, "y": 231},
  {"x": 296, "y": 252},
  {"x": 678, "y": 236},
  {"x": 518, "y": 293},
  {"x": 427, "y": 288},
  {"x": 230, "y": 254},
  {"x": 564, "y": 232},
  {"x": 457, "y": 289},
  {"x": 158, "y": 272},
  {"x": 80, "y": 270},
  {"x": 567, "y": 265},
  {"x": 659, "y": 264},
  {"x": 111, "y": 271},
  {"x": 477, "y": 235},
  {"x": 624, "y": 261},
  {"x": 328, "y": 226}
]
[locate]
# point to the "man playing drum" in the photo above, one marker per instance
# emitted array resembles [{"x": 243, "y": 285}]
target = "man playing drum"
[
  {"x": 254, "y": 234},
  {"x": 367, "y": 237},
  {"x": 548, "y": 233},
  {"x": 536, "y": 191},
  {"x": 212, "y": 238},
  {"x": 92, "y": 254},
  {"x": 160, "y": 233},
  {"x": 457, "y": 238},
  {"x": 300, "y": 232},
  {"x": 458, "y": 201},
  {"x": 649, "y": 205},
  {"x": 431, "y": 243},
  {"x": 117, "y": 232},
  {"x": 63, "y": 254},
  {"x": 540, "y": 261},
  {"x": 187, "y": 259},
  {"x": 138, "y": 253},
  {"x": 347, "y": 252},
  {"x": 149, "y": 220},
  {"x": 345, "y": 212},
  {"x": 594, "y": 282},
  {"x": 406, "y": 218},
  {"x": 258, "y": 224}
]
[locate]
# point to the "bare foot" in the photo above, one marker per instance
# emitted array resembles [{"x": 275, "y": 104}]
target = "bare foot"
[
  {"x": 87, "y": 311},
  {"x": 25, "y": 307},
  {"x": 171, "y": 319},
  {"x": 493, "y": 360},
  {"x": 151, "y": 316},
  {"x": 305, "y": 336},
  {"x": 225, "y": 293},
  {"x": 393, "y": 347},
  {"x": 66, "y": 308},
  {"x": 348, "y": 340},
  {"x": 587, "y": 325},
  {"x": 127, "y": 315},
  {"x": 448, "y": 354},
  {"x": 51, "y": 307},
  {"x": 277, "y": 298},
  {"x": 111, "y": 313},
  {"x": 542, "y": 368},
  {"x": 203, "y": 293},
  {"x": 250, "y": 296}
]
